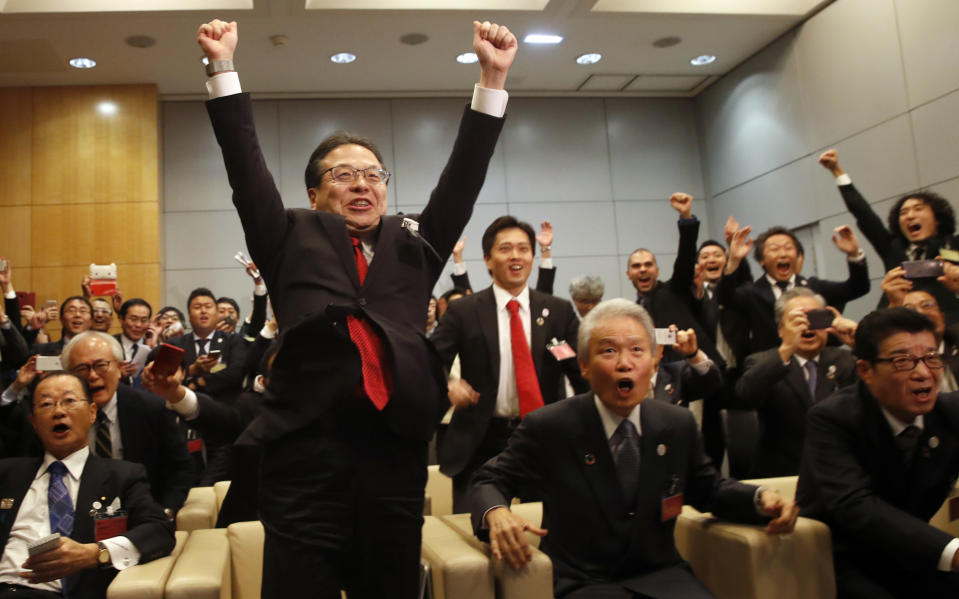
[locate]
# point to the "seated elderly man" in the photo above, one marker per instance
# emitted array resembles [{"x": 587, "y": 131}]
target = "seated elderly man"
[
  {"x": 880, "y": 458},
  {"x": 586, "y": 291},
  {"x": 613, "y": 473},
  {"x": 67, "y": 491},
  {"x": 783, "y": 382}
]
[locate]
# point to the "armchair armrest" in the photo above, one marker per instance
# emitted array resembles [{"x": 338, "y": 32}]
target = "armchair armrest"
[
  {"x": 458, "y": 570},
  {"x": 203, "y": 568},
  {"x": 198, "y": 511},
  {"x": 146, "y": 581}
]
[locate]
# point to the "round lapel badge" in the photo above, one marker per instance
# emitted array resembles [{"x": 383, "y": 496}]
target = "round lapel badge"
[{"x": 590, "y": 459}]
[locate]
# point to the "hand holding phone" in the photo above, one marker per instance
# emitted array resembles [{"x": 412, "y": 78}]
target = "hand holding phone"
[
  {"x": 819, "y": 319},
  {"x": 167, "y": 360},
  {"x": 920, "y": 269}
]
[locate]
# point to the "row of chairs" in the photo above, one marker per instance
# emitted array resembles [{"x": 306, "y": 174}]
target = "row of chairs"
[{"x": 735, "y": 561}]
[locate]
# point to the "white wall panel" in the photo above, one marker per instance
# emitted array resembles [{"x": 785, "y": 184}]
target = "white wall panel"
[
  {"x": 930, "y": 47},
  {"x": 579, "y": 229},
  {"x": 203, "y": 239},
  {"x": 937, "y": 139}
]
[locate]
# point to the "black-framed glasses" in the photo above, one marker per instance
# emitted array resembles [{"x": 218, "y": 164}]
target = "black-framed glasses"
[
  {"x": 83, "y": 370},
  {"x": 904, "y": 363},
  {"x": 346, "y": 174},
  {"x": 69, "y": 404}
]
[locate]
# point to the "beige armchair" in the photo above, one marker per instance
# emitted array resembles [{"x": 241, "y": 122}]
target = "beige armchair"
[
  {"x": 146, "y": 581},
  {"x": 439, "y": 493},
  {"x": 198, "y": 511}
]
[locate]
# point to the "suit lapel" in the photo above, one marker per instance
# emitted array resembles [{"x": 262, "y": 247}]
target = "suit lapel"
[
  {"x": 385, "y": 239},
  {"x": 663, "y": 378},
  {"x": 128, "y": 436},
  {"x": 189, "y": 340},
  {"x": 797, "y": 381},
  {"x": 15, "y": 488},
  {"x": 336, "y": 232},
  {"x": 537, "y": 333},
  {"x": 591, "y": 453},
  {"x": 92, "y": 487},
  {"x": 765, "y": 290},
  {"x": 486, "y": 311},
  {"x": 652, "y": 465}
]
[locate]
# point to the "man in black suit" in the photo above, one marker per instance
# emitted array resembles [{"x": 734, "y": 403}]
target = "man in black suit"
[
  {"x": 780, "y": 253},
  {"x": 613, "y": 473},
  {"x": 784, "y": 382},
  {"x": 546, "y": 274},
  {"x": 356, "y": 391},
  {"x": 76, "y": 316},
  {"x": 489, "y": 397},
  {"x": 135, "y": 317},
  {"x": 879, "y": 460},
  {"x": 919, "y": 225},
  {"x": 56, "y": 493}
]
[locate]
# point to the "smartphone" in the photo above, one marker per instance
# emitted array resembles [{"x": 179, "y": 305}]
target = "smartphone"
[
  {"x": 27, "y": 298},
  {"x": 43, "y": 545},
  {"x": 819, "y": 319},
  {"x": 49, "y": 304},
  {"x": 48, "y": 363},
  {"x": 230, "y": 320},
  {"x": 215, "y": 354},
  {"x": 665, "y": 337},
  {"x": 242, "y": 259},
  {"x": 3, "y": 265},
  {"x": 168, "y": 359},
  {"x": 920, "y": 269}
]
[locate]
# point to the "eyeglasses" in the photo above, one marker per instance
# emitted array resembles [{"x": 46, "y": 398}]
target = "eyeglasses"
[
  {"x": 905, "y": 363},
  {"x": 69, "y": 404},
  {"x": 83, "y": 370},
  {"x": 347, "y": 174},
  {"x": 75, "y": 310},
  {"x": 102, "y": 311}
]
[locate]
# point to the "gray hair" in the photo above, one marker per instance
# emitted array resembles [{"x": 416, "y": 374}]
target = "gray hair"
[
  {"x": 612, "y": 309},
  {"x": 589, "y": 287},
  {"x": 110, "y": 340},
  {"x": 779, "y": 308}
]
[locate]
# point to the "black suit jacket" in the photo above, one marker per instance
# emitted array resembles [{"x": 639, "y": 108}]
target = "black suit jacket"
[
  {"x": 853, "y": 478},
  {"x": 224, "y": 384},
  {"x": 560, "y": 454},
  {"x": 14, "y": 349},
  {"x": 893, "y": 249},
  {"x": 469, "y": 328},
  {"x": 149, "y": 435},
  {"x": 147, "y": 527},
  {"x": 780, "y": 394},
  {"x": 755, "y": 300},
  {"x": 678, "y": 383},
  {"x": 306, "y": 259}
]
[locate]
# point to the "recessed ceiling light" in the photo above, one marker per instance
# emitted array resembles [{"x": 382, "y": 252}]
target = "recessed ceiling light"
[
  {"x": 414, "y": 39},
  {"x": 590, "y": 58},
  {"x": 542, "y": 38},
  {"x": 702, "y": 60},
  {"x": 141, "y": 41},
  {"x": 107, "y": 108},
  {"x": 82, "y": 63},
  {"x": 467, "y": 58},
  {"x": 343, "y": 58},
  {"x": 667, "y": 42}
]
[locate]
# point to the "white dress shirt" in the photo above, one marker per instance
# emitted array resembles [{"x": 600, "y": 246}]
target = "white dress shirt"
[{"x": 507, "y": 400}]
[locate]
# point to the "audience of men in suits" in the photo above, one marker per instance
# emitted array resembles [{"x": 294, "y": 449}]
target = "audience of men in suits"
[
  {"x": 879, "y": 459},
  {"x": 55, "y": 491},
  {"x": 782, "y": 383},
  {"x": 613, "y": 472},
  {"x": 502, "y": 377}
]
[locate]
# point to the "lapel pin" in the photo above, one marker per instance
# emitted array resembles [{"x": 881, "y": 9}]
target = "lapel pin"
[
  {"x": 955, "y": 351},
  {"x": 540, "y": 321},
  {"x": 933, "y": 442},
  {"x": 831, "y": 372},
  {"x": 669, "y": 389},
  {"x": 660, "y": 450},
  {"x": 6, "y": 503},
  {"x": 545, "y": 312},
  {"x": 590, "y": 459},
  {"x": 97, "y": 505}
]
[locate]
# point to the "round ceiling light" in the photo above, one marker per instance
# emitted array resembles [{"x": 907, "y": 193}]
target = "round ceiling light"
[
  {"x": 342, "y": 58},
  {"x": 589, "y": 58},
  {"x": 82, "y": 63},
  {"x": 702, "y": 60},
  {"x": 467, "y": 58}
]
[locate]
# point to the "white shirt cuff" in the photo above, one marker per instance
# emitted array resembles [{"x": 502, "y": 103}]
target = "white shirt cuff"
[
  {"x": 703, "y": 367},
  {"x": 948, "y": 554},
  {"x": 188, "y": 407},
  {"x": 858, "y": 258},
  {"x": 123, "y": 553},
  {"x": 546, "y": 263},
  {"x": 487, "y": 101},
  {"x": 459, "y": 268},
  {"x": 267, "y": 333},
  {"x": 9, "y": 396},
  {"x": 222, "y": 84},
  {"x": 844, "y": 179},
  {"x": 12, "y": 294},
  {"x": 259, "y": 289}
]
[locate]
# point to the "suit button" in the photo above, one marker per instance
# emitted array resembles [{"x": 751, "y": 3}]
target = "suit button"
[
  {"x": 630, "y": 514},
  {"x": 362, "y": 301}
]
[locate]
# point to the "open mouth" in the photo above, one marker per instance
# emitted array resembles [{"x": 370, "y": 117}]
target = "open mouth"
[
  {"x": 784, "y": 268},
  {"x": 625, "y": 387},
  {"x": 922, "y": 393},
  {"x": 60, "y": 428},
  {"x": 808, "y": 335},
  {"x": 914, "y": 228},
  {"x": 361, "y": 204}
]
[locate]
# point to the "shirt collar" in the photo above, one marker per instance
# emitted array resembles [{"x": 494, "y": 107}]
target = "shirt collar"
[
  {"x": 503, "y": 297},
  {"x": 109, "y": 409},
  {"x": 775, "y": 283},
  {"x": 898, "y": 426},
  {"x": 611, "y": 420},
  {"x": 74, "y": 462},
  {"x": 802, "y": 361}
]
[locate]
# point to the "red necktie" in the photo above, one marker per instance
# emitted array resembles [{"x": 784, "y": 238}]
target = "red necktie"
[
  {"x": 376, "y": 379},
  {"x": 527, "y": 387}
]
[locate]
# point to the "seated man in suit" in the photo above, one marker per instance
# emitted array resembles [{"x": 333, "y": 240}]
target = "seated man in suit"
[
  {"x": 899, "y": 292},
  {"x": 55, "y": 494},
  {"x": 613, "y": 473},
  {"x": 132, "y": 425},
  {"x": 880, "y": 458},
  {"x": 502, "y": 377},
  {"x": 781, "y": 255},
  {"x": 784, "y": 382}
]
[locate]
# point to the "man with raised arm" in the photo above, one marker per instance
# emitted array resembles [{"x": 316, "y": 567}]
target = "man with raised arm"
[{"x": 356, "y": 392}]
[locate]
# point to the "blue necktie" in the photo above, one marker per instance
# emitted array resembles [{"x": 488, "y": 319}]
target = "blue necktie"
[
  {"x": 627, "y": 461},
  {"x": 812, "y": 373},
  {"x": 61, "y": 506}
]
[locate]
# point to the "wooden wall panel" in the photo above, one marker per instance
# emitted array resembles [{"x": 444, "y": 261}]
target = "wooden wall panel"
[
  {"x": 16, "y": 133},
  {"x": 97, "y": 157},
  {"x": 94, "y": 233},
  {"x": 15, "y": 234}
]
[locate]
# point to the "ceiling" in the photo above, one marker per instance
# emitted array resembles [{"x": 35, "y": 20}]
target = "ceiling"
[{"x": 37, "y": 37}]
